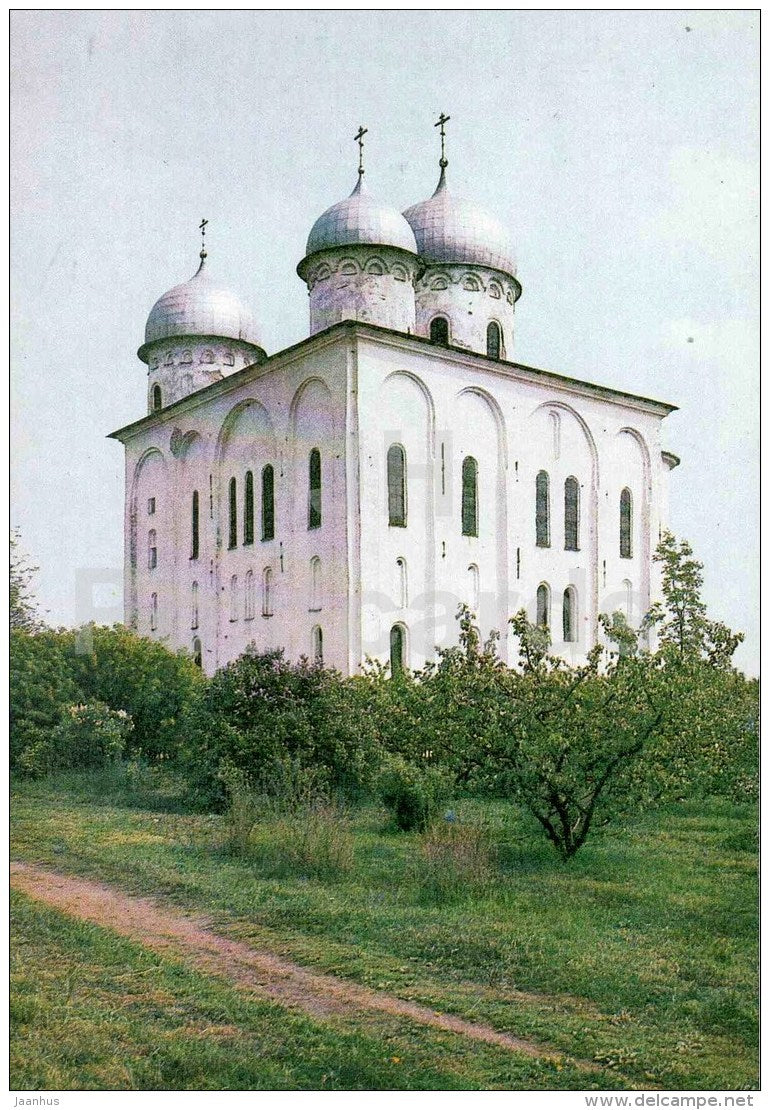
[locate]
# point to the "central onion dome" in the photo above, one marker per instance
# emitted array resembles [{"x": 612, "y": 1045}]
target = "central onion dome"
[
  {"x": 360, "y": 220},
  {"x": 199, "y": 307},
  {"x": 449, "y": 229}
]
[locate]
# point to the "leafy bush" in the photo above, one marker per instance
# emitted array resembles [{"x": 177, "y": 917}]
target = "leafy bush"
[
  {"x": 414, "y": 795},
  {"x": 157, "y": 687},
  {"x": 87, "y": 736},
  {"x": 42, "y": 686},
  {"x": 453, "y": 860},
  {"x": 261, "y": 713}
]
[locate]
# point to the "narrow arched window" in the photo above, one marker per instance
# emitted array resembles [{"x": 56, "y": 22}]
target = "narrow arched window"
[
  {"x": 396, "y": 486},
  {"x": 152, "y": 549},
  {"x": 542, "y": 511},
  {"x": 314, "y": 483},
  {"x": 315, "y": 584},
  {"x": 267, "y": 592},
  {"x": 470, "y": 497},
  {"x": 268, "y": 502},
  {"x": 543, "y": 619},
  {"x": 402, "y": 584},
  {"x": 248, "y": 596},
  {"x": 569, "y": 615},
  {"x": 232, "y": 540},
  {"x": 625, "y": 524},
  {"x": 153, "y": 612},
  {"x": 571, "y": 514},
  {"x": 629, "y": 592},
  {"x": 195, "y": 527},
  {"x": 248, "y": 508},
  {"x": 194, "y": 606},
  {"x": 197, "y": 653},
  {"x": 494, "y": 340},
  {"x": 439, "y": 330},
  {"x": 397, "y": 650},
  {"x": 157, "y": 398},
  {"x": 318, "y": 646},
  {"x": 234, "y": 598},
  {"x": 473, "y": 587}
]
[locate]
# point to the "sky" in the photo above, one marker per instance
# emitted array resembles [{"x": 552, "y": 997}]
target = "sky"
[{"x": 619, "y": 147}]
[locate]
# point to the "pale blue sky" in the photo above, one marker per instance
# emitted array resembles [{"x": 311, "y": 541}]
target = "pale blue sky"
[{"x": 620, "y": 148}]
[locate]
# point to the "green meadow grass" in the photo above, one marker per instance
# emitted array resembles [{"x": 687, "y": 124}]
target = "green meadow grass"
[{"x": 639, "y": 954}]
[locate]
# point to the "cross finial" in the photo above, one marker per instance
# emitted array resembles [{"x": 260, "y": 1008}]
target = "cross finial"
[
  {"x": 359, "y": 137},
  {"x": 442, "y": 119},
  {"x": 202, "y": 229}
]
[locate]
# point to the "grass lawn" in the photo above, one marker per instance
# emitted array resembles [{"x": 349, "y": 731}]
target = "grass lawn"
[{"x": 640, "y": 954}]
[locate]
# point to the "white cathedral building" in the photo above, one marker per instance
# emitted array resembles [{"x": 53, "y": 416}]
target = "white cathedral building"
[{"x": 340, "y": 498}]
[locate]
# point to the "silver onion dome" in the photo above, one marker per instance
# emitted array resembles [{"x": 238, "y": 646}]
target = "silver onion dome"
[
  {"x": 200, "y": 307},
  {"x": 449, "y": 229},
  {"x": 360, "y": 219}
]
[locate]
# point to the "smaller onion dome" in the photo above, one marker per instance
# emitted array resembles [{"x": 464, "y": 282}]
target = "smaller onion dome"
[
  {"x": 449, "y": 229},
  {"x": 199, "y": 307},
  {"x": 360, "y": 219}
]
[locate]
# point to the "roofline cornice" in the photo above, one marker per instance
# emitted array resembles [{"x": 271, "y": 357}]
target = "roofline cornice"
[{"x": 399, "y": 340}]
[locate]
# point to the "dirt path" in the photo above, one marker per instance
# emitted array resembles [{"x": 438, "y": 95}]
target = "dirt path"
[{"x": 261, "y": 972}]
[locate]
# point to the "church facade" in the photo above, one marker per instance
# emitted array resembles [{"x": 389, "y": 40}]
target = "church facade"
[{"x": 340, "y": 498}]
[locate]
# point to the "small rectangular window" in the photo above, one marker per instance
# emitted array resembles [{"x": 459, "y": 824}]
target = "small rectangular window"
[{"x": 150, "y": 506}]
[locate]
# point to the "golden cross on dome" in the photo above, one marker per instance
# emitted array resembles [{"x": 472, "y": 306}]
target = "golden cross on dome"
[
  {"x": 442, "y": 119},
  {"x": 202, "y": 229},
  {"x": 359, "y": 138}
]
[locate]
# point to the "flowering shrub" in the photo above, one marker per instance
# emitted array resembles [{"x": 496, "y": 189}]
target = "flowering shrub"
[{"x": 87, "y": 736}]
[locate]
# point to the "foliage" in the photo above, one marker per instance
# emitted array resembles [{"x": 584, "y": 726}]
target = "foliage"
[
  {"x": 157, "y": 687},
  {"x": 42, "y": 685},
  {"x": 24, "y": 614},
  {"x": 88, "y": 736},
  {"x": 414, "y": 794},
  {"x": 261, "y": 711}
]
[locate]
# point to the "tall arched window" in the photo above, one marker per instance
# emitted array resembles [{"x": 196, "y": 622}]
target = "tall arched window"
[
  {"x": 470, "y": 497},
  {"x": 194, "y": 606},
  {"x": 152, "y": 549},
  {"x": 248, "y": 596},
  {"x": 571, "y": 514},
  {"x": 439, "y": 330},
  {"x": 197, "y": 653},
  {"x": 542, "y": 511},
  {"x": 473, "y": 588},
  {"x": 314, "y": 483},
  {"x": 234, "y": 598},
  {"x": 195, "y": 527},
  {"x": 625, "y": 524},
  {"x": 267, "y": 592},
  {"x": 248, "y": 508},
  {"x": 402, "y": 584},
  {"x": 268, "y": 503},
  {"x": 396, "y": 486},
  {"x": 157, "y": 398},
  {"x": 494, "y": 340},
  {"x": 318, "y": 646},
  {"x": 153, "y": 612},
  {"x": 397, "y": 649},
  {"x": 232, "y": 540},
  {"x": 569, "y": 615},
  {"x": 543, "y": 619},
  {"x": 315, "y": 584}
]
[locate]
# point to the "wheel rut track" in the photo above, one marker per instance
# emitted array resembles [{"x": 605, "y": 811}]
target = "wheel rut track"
[{"x": 259, "y": 971}]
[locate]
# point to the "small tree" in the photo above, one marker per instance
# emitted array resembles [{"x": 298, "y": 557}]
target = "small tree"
[{"x": 23, "y": 604}]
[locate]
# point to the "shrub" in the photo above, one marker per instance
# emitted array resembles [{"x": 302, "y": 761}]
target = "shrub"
[
  {"x": 261, "y": 711},
  {"x": 157, "y": 687},
  {"x": 88, "y": 736},
  {"x": 315, "y": 841},
  {"x": 413, "y": 794},
  {"x": 453, "y": 860},
  {"x": 41, "y": 688}
]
